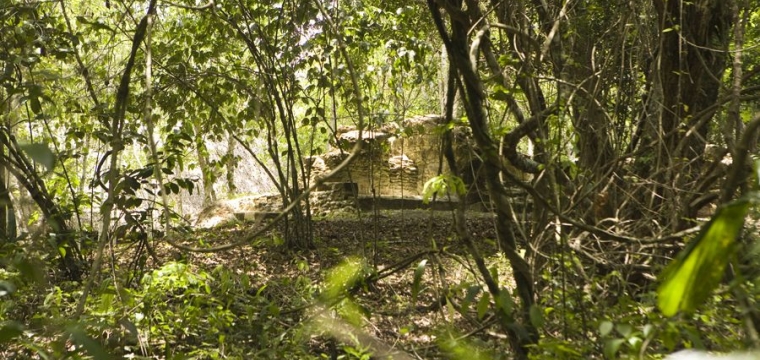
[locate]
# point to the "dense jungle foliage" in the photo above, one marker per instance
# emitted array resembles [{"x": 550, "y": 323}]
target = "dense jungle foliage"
[{"x": 615, "y": 146}]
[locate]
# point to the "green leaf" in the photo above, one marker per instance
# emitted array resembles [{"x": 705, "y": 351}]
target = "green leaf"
[
  {"x": 35, "y": 105},
  {"x": 458, "y": 348},
  {"x": 605, "y": 328},
  {"x": 647, "y": 330},
  {"x": 91, "y": 346},
  {"x": 418, "y": 272},
  {"x": 106, "y": 302},
  {"x": 10, "y": 330},
  {"x": 696, "y": 272},
  {"x": 611, "y": 347},
  {"x": 130, "y": 327},
  {"x": 6, "y": 288},
  {"x": 95, "y": 24},
  {"x": 504, "y": 302},
  {"x": 342, "y": 277},
  {"x": 40, "y": 153},
  {"x": 536, "y": 316},
  {"x": 440, "y": 185},
  {"x": 624, "y": 329},
  {"x": 483, "y": 303},
  {"x": 472, "y": 291},
  {"x": 432, "y": 187},
  {"x": 30, "y": 271}
]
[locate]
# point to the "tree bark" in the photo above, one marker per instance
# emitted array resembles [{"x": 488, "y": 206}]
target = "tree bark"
[
  {"x": 522, "y": 334},
  {"x": 686, "y": 75}
]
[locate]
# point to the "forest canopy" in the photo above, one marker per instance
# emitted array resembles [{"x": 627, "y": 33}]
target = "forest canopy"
[{"x": 431, "y": 179}]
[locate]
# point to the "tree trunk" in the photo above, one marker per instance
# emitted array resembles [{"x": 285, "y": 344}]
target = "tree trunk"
[
  {"x": 209, "y": 194},
  {"x": 66, "y": 246},
  {"x": 231, "y": 164},
  {"x": 522, "y": 334},
  {"x": 688, "y": 69}
]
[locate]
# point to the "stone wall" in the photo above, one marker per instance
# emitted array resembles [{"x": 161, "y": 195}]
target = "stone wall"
[
  {"x": 389, "y": 173},
  {"x": 393, "y": 162}
]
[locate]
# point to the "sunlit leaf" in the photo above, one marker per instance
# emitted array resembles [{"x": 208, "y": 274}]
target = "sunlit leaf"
[
  {"x": 459, "y": 348},
  {"x": 605, "y": 328},
  {"x": 441, "y": 185},
  {"x": 418, "y": 272},
  {"x": 40, "y": 153},
  {"x": 689, "y": 280},
  {"x": 342, "y": 277}
]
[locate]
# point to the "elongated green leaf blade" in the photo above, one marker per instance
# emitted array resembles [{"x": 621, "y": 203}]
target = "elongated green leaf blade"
[
  {"x": 418, "y": 279},
  {"x": 696, "y": 272}
]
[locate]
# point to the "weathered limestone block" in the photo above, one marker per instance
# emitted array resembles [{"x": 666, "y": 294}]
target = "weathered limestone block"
[
  {"x": 392, "y": 163},
  {"x": 333, "y": 197},
  {"x": 396, "y": 161},
  {"x": 403, "y": 176},
  {"x": 245, "y": 207}
]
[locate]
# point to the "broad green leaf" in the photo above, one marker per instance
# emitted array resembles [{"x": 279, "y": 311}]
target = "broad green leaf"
[
  {"x": 504, "y": 302},
  {"x": 342, "y": 277},
  {"x": 30, "y": 271},
  {"x": 624, "y": 330},
  {"x": 472, "y": 291},
  {"x": 611, "y": 347},
  {"x": 6, "y": 288},
  {"x": 130, "y": 327},
  {"x": 40, "y": 153},
  {"x": 10, "y": 330},
  {"x": 35, "y": 105},
  {"x": 690, "y": 279},
  {"x": 106, "y": 302},
  {"x": 536, "y": 316},
  {"x": 439, "y": 186},
  {"x": 483, "y": 303},
  {"x": 432, "y": 187},
  {"x": 91, "y": 346},
  {"x": 605, "y": 328},
  {"x": 458, "y": 348},
  {"x": 355, "y": 314}
]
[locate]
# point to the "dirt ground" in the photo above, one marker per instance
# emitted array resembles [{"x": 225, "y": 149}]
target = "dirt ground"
[{"x": 385, "y": 240}]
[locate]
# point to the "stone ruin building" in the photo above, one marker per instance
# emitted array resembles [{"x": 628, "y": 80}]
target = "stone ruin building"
[
  {"x": 393, "y": 166},
  {"x": 389, "y": 173}
]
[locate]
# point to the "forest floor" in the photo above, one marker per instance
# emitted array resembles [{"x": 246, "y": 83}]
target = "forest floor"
[{"x": 393, "y": 317}]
